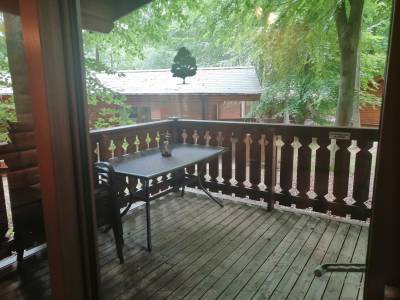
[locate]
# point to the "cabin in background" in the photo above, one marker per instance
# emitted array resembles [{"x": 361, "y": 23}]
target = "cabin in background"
[{"x": 213, "y": 93}]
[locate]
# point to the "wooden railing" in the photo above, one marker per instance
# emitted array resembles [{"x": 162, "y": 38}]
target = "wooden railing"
[{"x": 325, "y": 169}]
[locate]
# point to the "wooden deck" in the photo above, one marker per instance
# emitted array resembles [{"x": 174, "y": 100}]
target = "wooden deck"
[{"x": 201, "y": 251}]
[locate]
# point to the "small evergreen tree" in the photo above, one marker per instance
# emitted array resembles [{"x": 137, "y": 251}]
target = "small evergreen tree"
[{"x": 184, "y": 64}]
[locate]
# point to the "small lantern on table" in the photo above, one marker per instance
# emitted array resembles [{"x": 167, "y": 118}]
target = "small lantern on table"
[{"x": 165, "y": 144}]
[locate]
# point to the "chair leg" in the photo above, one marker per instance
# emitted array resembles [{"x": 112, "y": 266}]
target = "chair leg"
[
  {"x": 119, "y": 241},
  {"x": 183, "y": 190},
  {"x": 20, "y": 256}
]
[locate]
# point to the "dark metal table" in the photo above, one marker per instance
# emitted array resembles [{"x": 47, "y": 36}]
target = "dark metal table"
[{"x": 149, "y": 164}]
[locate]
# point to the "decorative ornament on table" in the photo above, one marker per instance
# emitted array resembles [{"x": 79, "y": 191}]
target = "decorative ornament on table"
[
  {"x": 165, "y": 144},
  {"x": 184, "y": 64}
]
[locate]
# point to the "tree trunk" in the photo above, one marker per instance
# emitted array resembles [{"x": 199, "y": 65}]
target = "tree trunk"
[
  {"x": 356, "y": 102},
  {"x": 18, "y": 70},
  {"x": 349, "y": 31},
  {"x": 97, "y": 53}
]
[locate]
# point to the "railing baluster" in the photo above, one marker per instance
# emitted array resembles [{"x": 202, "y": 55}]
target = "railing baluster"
[
  {"x": 227, "y": 157},
  {"x": 341, "y": 171},
  {"x": 263, "y": 143},
  {"x": 247, "y": 158},
  {"x": 373, "y": 152},
  {"x": 234, "y": 151},
  {"x": 321, "y": 182},
  {"x": 271, "y": 161},
  {"x": 212, "y": 166},
  {"x": 119, "y": 149},
  {"x": 313, "y": 147},
  {"x": 362, "y": 173},
  {"x": 304, "y": 170},
  {"x": 5, "y": 188},
  {"x": 131, "y": 144},
  {"x": 286, "y": 170},
  {"x": 105, "y": 153},
  {"x": 255, "y": 162},
  {"x": 240, "y": 162},
  {"x": 187, "y": 136},
  {"x": 220, "y": 142},
  {"x": 142, "y": 136}
]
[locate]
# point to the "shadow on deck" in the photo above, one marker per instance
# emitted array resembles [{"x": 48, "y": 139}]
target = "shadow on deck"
[{"x": 203, "y": 251}]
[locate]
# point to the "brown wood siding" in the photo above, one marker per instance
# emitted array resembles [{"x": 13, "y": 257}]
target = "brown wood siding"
[
  {"x": 229, "y": 110},
  {"x": 370, "y": 115},
  {"x": 184, "y": 106}
]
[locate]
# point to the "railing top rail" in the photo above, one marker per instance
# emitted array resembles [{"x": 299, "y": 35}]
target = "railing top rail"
[
  {"x": 279, "y": 128},
  {"x": 279, "y": 125},
  {"x": 275, "y": 128},
  {"x": 119, "y": 129}
]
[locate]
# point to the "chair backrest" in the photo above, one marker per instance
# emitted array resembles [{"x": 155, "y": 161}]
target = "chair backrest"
[{"x": 106, "y": 194}]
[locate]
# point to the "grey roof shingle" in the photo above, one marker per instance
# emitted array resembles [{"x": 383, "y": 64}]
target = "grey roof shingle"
[{"x": 226, "y": 80}]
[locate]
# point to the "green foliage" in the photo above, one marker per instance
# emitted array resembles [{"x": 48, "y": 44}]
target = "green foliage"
[
  {"x": 292, "y": 44},
  {"x": 184, "y": 64},
  {"x": 114, "y": 110},
  {"x": 7, "y": 113}
]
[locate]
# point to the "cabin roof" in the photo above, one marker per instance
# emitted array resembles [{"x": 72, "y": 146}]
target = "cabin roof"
[
  {"x": 207, "y": 81},
  {"x": 215, "y": 80}
]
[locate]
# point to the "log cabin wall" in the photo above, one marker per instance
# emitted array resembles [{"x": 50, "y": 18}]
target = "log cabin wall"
[{"x": 370, "y": 115}]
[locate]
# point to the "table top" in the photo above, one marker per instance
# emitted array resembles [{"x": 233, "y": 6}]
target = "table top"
[{"x": 149, "y": 163}]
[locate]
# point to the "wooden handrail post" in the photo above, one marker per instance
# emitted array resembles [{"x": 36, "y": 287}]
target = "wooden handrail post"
[{"x": 7, "y": 200}]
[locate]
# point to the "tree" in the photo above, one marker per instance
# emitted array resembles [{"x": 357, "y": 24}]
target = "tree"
[
  {"x": 293, "y": 44},
  {"x": 184, "y": 64},
  {"x": 114, "y": 110},
  {"x": 348, "y": 25}
]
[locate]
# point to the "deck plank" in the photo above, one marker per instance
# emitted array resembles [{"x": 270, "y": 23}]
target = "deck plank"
[
  {"x": 303, "y": 282},
  {"x": 181, "y": 271},
  {"x": 336, "y": 280},
  {"x": 318, "y": 285},
  {"x": 353, "y": 283},
  {"x": 185, "y": 218},
  {"x": 277, "y": 232},
  {"x": 187, "y": 254},
  {"x": 255, "y": 257},
  {"x": 276, "y": 274},
  {"x": 162, "y": 215},
  {"x": 253, "y": 231},
  {"x": 144, "y": 263},
  {"x": 222, "y": 262},
  {"x": 289, "y": 279}
]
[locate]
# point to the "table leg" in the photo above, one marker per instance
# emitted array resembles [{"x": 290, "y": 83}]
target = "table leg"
[
  {"x": 179, "y": 181},
  {"x": 148, "y": 222},
  {"x": 200, "y": 175},
  {"x": 183, "y": 189}
]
